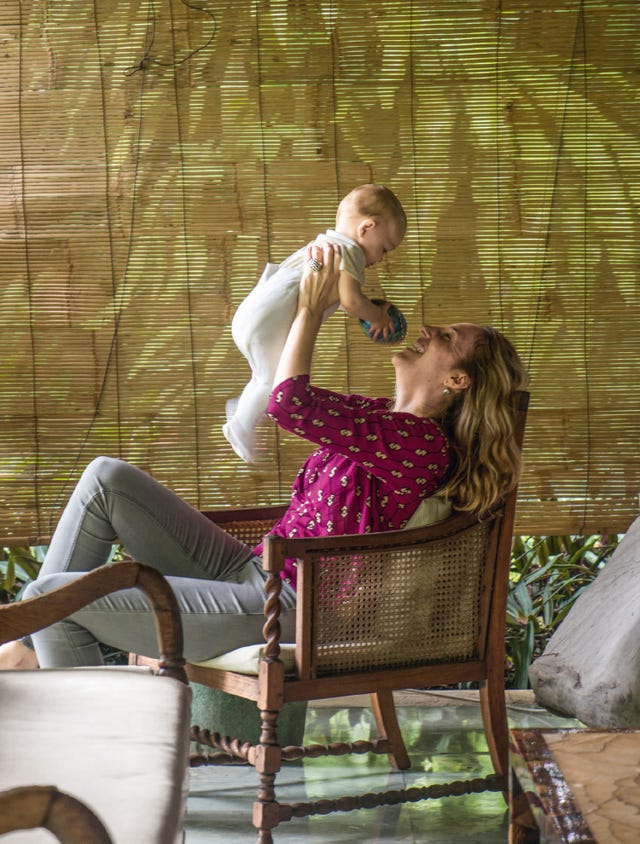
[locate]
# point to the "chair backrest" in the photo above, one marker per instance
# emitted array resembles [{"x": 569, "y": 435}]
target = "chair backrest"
[{"x": 400, "y": 605}]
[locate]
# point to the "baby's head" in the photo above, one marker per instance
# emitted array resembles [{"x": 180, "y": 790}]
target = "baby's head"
[{"x": 372, "y": 216}]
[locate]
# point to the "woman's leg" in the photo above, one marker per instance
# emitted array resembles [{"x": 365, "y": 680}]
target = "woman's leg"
[
  {"x": 114, "y": 500},
  {"x": 217, "y": 616},
  {"x": 218, "y": 582}
]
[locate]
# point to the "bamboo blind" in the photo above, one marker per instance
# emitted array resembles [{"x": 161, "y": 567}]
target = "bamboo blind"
[{"x": 155, "y": 154}]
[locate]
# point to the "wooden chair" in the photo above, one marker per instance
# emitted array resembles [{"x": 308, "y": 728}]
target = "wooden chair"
[
  {"x": 41, "y": 806},
  {"x": 113, "y": 740},
  {"x": 423, "y": 606}
]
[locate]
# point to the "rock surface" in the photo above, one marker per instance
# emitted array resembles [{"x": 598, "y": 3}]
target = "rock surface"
[{"x": 590, "y": 668}]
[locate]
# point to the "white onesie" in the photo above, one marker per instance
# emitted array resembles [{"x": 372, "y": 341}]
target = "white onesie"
[{"x": 260, "y": 327}]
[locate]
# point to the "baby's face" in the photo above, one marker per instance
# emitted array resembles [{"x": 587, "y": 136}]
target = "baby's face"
[{"x": 382, "y": 236}]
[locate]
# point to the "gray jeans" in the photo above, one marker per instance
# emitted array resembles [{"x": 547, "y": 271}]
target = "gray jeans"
[{"x": 217, "y": 580}]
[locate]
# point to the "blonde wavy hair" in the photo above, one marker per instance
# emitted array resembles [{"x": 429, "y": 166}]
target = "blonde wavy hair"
[{"x": 480, "y": 424}]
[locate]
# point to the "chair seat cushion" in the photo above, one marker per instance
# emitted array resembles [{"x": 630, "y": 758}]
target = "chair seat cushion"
[
  {"x": 114, "y": 738},
  {"x": 245, "y": 660}
]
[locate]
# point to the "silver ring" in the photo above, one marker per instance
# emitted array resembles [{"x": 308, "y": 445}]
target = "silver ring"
[{"x": 314, "y": 264}]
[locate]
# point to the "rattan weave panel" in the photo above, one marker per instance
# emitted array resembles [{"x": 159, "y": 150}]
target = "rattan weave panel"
[
  {"x": 251, "y": 532},
  {"x": 418, "y": 606}
]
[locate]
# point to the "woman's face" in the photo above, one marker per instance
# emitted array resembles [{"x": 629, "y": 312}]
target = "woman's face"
[{"x": 438, "y": 351}]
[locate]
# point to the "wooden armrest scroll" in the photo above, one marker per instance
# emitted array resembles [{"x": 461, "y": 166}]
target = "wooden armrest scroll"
[
  {"x": 24, "y": 617},
  {"x": 31, "y": 807}
]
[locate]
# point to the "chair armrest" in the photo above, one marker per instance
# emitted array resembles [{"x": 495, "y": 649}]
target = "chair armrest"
[
  {"x": 32, "y": 807},
  {"x": 24, "y": 617},
  {"x": 278, "y": 548}
]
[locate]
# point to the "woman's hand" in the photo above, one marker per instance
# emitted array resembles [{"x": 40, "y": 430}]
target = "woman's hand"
[
  {"x": 319, "y": 284},
  {"x": 317, "y": 292}
]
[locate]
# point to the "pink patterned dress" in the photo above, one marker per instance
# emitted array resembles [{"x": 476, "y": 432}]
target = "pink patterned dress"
[{"x": 371, "y": 470}]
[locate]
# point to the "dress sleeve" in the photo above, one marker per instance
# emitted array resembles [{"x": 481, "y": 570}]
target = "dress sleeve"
[{"x": 388, "y": 445}]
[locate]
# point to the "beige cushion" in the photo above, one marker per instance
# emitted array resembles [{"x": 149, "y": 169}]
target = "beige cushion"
[
  {"x": 245, "y": 660},
  {"x": 433, "y": 509},
  {"x": 116, "y": 739}
]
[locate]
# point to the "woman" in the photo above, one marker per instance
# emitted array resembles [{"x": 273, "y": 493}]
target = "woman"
[{"x": 449, "y": 428}]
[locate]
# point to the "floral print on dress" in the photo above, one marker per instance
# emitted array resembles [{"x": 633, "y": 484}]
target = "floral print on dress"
[{"x": 372, "y": 467}]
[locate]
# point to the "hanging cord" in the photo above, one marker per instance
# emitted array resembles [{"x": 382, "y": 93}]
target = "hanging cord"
[
  {"x": 585, "y": 284},
  {"x": 185, "y": 237},
  {"x": 579, "y": 38},
  {"x": 119, "y": 295},
  {"x": 498, "y": 119},
  {"x": 554, "y": 187},
  {"x": 27, "y": 261},
  {"x": 414, "y": 151},
  {"x": 265, "y": 200},
  {"x": 336, "y": 165},
  {"x": 148, "y": 59}
]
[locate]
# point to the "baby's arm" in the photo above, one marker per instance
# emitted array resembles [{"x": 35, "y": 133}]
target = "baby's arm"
[{"x": 356, "y": 304}]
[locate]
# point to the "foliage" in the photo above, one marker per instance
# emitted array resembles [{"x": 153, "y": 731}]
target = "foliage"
[
  {"x": 548, "y": 573},
  {"x": 18, "y": 567}
]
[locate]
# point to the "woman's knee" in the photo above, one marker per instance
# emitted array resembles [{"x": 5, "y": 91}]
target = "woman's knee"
[
  {"x": 36, "y": 588},
  {"x": 107, "y": 471}
]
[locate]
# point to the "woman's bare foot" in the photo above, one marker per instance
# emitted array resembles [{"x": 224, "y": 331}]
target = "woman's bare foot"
[{"x": 16, "y": 655}]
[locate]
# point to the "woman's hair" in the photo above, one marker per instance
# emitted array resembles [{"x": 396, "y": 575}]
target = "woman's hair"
[{"x": 480, "y": 423}]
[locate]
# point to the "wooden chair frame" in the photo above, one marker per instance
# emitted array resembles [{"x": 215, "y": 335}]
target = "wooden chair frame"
[
  {"x": 19, "y": 619},
  {"x": 43, "y": 806},
  {"x": 271, "y": 688},
  {"x": 63, "y": 814}
]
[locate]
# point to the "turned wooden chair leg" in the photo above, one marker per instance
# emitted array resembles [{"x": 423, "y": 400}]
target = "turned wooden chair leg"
[
  {"x": 494, "y": 718},
  {"x": 267, "y": 761},
  {"x": 384, "y": 710}
]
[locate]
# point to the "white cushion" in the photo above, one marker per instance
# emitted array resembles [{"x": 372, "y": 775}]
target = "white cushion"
[{"x": 116, "y": 739}]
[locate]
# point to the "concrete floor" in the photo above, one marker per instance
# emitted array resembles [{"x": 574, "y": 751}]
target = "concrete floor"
[{"x": 444, "y": 737}]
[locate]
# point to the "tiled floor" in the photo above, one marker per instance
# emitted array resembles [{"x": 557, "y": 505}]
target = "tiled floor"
[{"x": 444, "y": 737}]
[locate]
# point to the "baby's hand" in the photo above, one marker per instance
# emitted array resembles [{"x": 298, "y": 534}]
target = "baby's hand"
[{"x": 381, "y": 326}]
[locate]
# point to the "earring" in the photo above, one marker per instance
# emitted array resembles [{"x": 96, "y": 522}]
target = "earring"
[{"x": 446, "y": 391}]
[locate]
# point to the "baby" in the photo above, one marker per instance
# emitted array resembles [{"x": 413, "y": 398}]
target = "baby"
[{"x": 370, "y": 222}]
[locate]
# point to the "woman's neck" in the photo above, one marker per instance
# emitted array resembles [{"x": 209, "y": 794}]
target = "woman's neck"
[{"x": 421, "y": 408}]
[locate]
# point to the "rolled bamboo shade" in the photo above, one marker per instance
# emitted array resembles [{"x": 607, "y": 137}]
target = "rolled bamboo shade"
[{"x": 155, "y": 154}]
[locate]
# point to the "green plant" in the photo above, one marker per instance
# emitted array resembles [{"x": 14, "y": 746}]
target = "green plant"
[
  {"x": 18, "y": 567},
  {"x": 548, "y": 573}
]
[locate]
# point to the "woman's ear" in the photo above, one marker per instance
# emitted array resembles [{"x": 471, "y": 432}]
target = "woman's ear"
[{"x": 457, "y": 381}]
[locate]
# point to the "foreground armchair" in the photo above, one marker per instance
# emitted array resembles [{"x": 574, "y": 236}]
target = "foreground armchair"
[{"x": 114, "y": 740}]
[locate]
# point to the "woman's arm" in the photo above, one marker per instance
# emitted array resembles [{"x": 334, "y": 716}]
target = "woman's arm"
[{"x": 314, "y": 298}]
